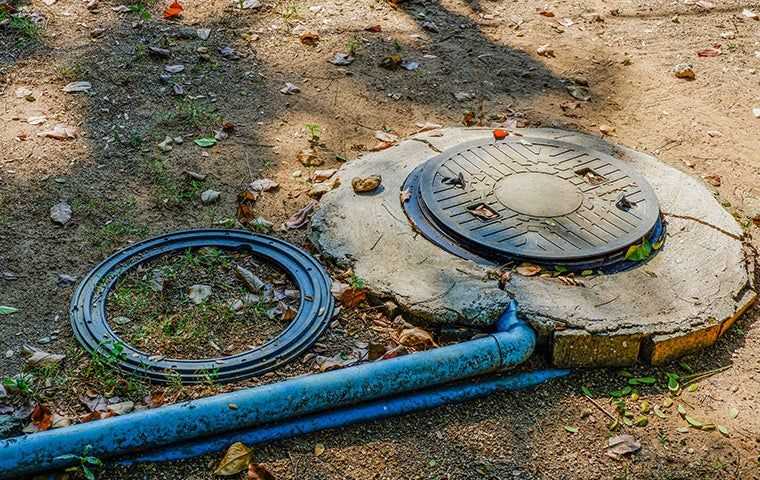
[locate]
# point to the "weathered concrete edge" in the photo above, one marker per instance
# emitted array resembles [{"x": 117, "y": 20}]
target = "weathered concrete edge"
[{"x": 571, "y": 346}]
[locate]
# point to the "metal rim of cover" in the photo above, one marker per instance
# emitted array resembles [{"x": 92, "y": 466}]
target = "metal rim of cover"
[
  {"x": 88, "y": 308},
  {"x": 544, "y": 196}
]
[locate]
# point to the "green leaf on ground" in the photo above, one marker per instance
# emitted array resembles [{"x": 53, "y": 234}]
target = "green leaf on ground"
[
  {"x": 733, "y": 412},
  {"x": 659, "y": 413},
  {"x": 724, "y": 430},
  {"x": 694, "y": 422},
  {"x": 642, "y": 381},
  {"x": 681, "y": 409},
  {"x": 639, "y": 252},
  {"x": 571, "y": 429},
  {"x": 586, "y": 391},
  {"x": 205, "y": 142},
  {"x": 4, "y": 310},
  {"x": 621, "y": 393}
]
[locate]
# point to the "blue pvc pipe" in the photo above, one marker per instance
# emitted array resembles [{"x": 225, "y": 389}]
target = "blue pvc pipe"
[
  {"x": 149, "y": 429},
  {"x": 366, "y": 412}
]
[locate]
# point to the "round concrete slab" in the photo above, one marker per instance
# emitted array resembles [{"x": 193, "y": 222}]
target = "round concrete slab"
[{"x": 681, "y": 300}]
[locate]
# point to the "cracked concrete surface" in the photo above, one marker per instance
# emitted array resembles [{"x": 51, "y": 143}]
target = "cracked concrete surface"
[{"x": 682, "y": 299}]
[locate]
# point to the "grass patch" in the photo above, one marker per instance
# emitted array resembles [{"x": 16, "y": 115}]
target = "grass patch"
[
  {"x": 169, "y": 190},
  {"x": 188, "y": 113},
  {"x": 21, "y": 25}
]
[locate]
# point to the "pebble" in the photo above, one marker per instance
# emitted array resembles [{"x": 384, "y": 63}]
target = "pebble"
[
  {"x": 60, "y": 213},
  {"x": 45, "y": 340},
  {"x": 685, "y": 71},
  {"x": 65, "y": 280},
  {"x": 121, "y": 320},
  {"x": 9, "y": 354},
  {"x": 209, "y": 196}
]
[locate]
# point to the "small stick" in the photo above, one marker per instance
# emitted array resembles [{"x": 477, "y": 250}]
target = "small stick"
[{"x": 596, "y": 404}]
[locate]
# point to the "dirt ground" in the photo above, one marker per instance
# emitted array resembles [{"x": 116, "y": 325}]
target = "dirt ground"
[{"x": 123, "y": 188}]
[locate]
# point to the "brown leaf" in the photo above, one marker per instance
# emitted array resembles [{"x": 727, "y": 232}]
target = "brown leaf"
[
  {"x": 42, "y": 418},
  {"x": 528, "y": 269},
  {"x": 310, "y": 38},
  {"x": 351, "y": 297},
  {"x": 319, "y": 449},
  {"x": 483, "y": 211},
  {"x": 237, "y": 459},
  {"x": 374, "y": 28},
  {"x": 416, "y": 338},
  {"x": 301, "y": 217},
  {"x": 309, "y": 157},
  {"x": 381, "y": 146},
  {"x": 545, "y": 13},
  {"x": 246, "y": 202},
  {"x": 713, "y": 51},
  {"x": 155, "y": 399},
  {"x": 713, "y": 180},
  {"x": 258, "y": 472},
  {"x": 469, "y": 119},
  {"x": 405, "y": 196}
]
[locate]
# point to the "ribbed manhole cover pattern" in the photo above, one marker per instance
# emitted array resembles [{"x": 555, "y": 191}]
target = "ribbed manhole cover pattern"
[{"x": 541, "y": 200}]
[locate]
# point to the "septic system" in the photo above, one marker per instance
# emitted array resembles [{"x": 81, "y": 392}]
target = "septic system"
[{"x": 611, "y": 236}]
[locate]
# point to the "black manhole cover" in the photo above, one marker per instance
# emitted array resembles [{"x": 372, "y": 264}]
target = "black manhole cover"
[
  {"x": 88, "y": 308},
  {"x": 530, "y": 199}
]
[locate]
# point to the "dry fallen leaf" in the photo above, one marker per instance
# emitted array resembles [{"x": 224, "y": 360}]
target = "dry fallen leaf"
[
  {"x": 301, "y": 217},
  {"x": 246, "y": 202},
  {"x": 713, "y": 51},
  {"x": 309, "y": 157},
  {"x": 416, "y": 338},
  {"x": 528, "y": 269},
  {"x": 483, "y": 211},
  {"x": 713, "y": 180},
  {"x": 310, "y": 38},
  {"x": 258, "y": 472},
  {"x": 622, "y": 445},
  {"x": 173, "y": 11},
  {"x": 319, "y": 449},
  {"x": 41, "y": 417},
  {"x": 351, "y": 297},
  {"x": 236, "y": 460}
]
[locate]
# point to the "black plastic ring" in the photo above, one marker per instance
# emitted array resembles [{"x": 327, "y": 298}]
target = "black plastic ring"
[{"x": 89, "y": 321}]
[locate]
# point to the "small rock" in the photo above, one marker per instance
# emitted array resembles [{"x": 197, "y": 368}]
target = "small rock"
[
  {"x": 179, "y": 141},
  {"x": 289, "y": 89},
  {"x": 203, "y": 33},
  {"x": 463, "y": 96},
  {"x": 196, "y": 175},
  {"x": 60, "y": 213},
  {"x": 756, "y": 112},
  {"x": 251, "y": 281},
  {"x": 685, "y": 71},
  {"x": 229, "y": 53},
  {"x": 728, "y": 35},
  {"x": 236, "y": 305},
  {"x": 579, "y": 92},
  {"x": 296, "y": 174},
  {"x": 209, "y": 196},
  {"x": 159, "y": 52},
  {"x": 251, "y": 4},
  {"x": 165, "y": 145},
  {"x": 199, "y": 293},
  {"x": 545, "y": 51},
  {"x": 366, "y": 184},
  {"x": 121, "y": 320},
  {"x": 430, "y": 26},
  {"x": 44, "y": 340},
  {"x": 174, "y": 68},
  {"x": 65, "y": 280},
  {"x": 263, "y": 185},
  {"x": 342, "y": 59},
  {"x": 386, "y": 136},
  {"x": 122, "y": 408},
  {"x": 157, "y": 281},
  {"x": 319, "y": 189},
  {"x": 750, "y": 14}
]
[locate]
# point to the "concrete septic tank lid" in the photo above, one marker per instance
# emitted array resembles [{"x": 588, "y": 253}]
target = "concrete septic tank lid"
[{"x": 681, "y": 300}]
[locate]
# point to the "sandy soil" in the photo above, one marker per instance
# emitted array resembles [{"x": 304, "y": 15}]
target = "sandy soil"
[{"x": 123, "y": 188}]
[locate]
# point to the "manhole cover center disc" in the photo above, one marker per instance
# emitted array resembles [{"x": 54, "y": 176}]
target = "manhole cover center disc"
[{"x": 538, "y": 194}]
